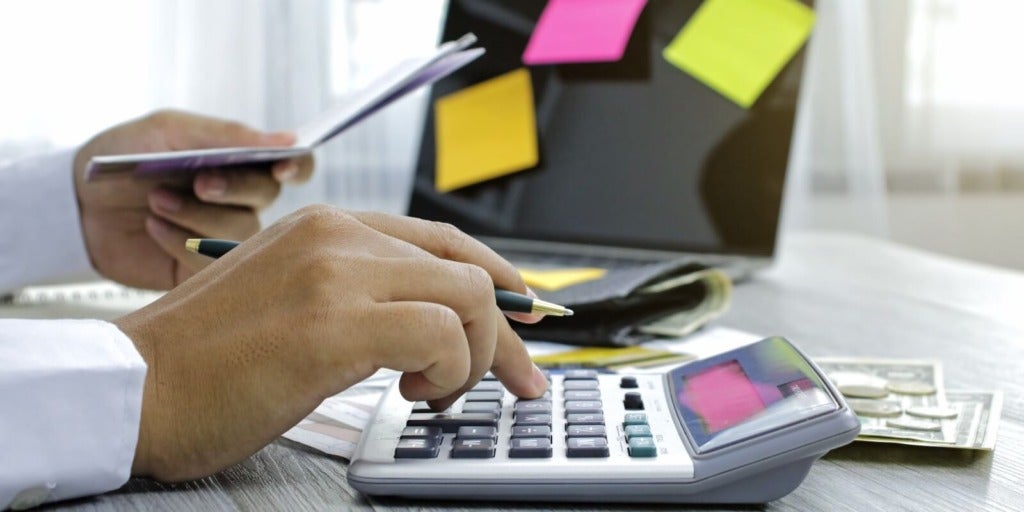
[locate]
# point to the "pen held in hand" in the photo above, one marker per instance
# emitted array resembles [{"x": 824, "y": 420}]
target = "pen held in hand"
[{"x": 507, "y": 301}]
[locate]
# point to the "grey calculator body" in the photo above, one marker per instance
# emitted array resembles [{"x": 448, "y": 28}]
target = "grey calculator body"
[{"x": 742, "y": 425}]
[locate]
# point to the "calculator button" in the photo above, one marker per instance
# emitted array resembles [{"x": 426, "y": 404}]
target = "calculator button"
[
  {"x": 488, "y": 385},
  {"x": 473, "y": 448},
  {"x": 477, "y": 433},
  {"x": 417, "y": 448},
  {"x": 579, "y": 384},
  {"x": 529, "y": 448},
  {"x": 634, "y": 431},
  {"x": 642, "y": 447},
  {"x": 422, "y": 432},
  {"x": 578, "y": 374},
  {"x": 450, "y": 422},
  {"x": 531, "y": 431},
  {"x": 583, "y": 394},
  {"x": 587, "y": 447},
  {"x": 585, "y": 431},
  {"x": 484, "y": 396},
  {"x": 543, "y": 406},
  {"x": 628, "y": 383},
  {"x": 634, "y": 418},
  {"x": 492, "y": 407},
  {"x": 633, "y": 401},
  {"x": 545, "y": 396},
  {"x": 533, "y": 419},
  {"x": 583, "y": 406},
  {"x": 585, "y": 419}
]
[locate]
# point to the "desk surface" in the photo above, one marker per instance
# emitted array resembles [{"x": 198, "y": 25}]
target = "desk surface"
[{"x": 833, "y": 295}]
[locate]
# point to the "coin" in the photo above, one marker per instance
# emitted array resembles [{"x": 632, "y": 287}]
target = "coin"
[
  {"x": 912, "y": 424},
  {"x": 878, "y": 408},
  {"x": 863, "y": 391},
  {"x": 941, "y": 413},
  {"x": 910, "y": 387}
]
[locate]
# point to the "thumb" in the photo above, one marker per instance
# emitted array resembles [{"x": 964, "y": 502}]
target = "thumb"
[{"x": 190, "y": 131}]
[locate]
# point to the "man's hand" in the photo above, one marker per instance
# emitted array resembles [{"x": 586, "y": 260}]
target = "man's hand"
[
  {"x": 304, "y": 309},
  {"x": 135, "y": 229}
]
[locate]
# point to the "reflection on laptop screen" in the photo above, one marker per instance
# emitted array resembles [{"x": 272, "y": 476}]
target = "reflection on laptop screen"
[{"x": 633, "y": 153}]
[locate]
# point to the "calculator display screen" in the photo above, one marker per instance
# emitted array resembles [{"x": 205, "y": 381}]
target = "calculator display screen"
[{"x": 746, "y": 392}]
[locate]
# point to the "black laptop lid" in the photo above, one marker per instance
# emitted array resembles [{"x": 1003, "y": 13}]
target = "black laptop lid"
[{"x": 634, "y": 153}]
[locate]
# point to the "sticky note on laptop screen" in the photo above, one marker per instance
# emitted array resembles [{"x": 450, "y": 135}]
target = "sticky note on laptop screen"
[
  {"x": 737, "y": 47},
  {"x": 555, "y": 279},
  {"x": 573, "y": 31},
  {"x": 485, "y": 131}
]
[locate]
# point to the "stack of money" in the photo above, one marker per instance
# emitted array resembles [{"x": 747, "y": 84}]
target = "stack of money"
[
  {"x": 903, "y": 401},
  {"x": 718, "y": 292}
]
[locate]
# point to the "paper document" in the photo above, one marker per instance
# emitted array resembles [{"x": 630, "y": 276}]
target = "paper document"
[
  {"x": 399, "y": 81},
  {"x": 558, "y": 278}
]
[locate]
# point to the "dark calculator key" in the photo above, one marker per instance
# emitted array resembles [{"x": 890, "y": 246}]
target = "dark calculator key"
[
  {"x": 484, "y": 396},
  {"x": 477, "y": 433},
  {"x": 585, "y": 419},
  {"x": 628, "y": 383},
  {"x": 488, "y": 385},
  {"x": 587, "y": 447},
  {"x": 584, "y": 431},
  {"x": 533, "y": 406},
  {"x": 545, "y": 396},
  {"x": 583, "y": 406},
  {"x": 579, "y": 384},
  {"x": 450, "y": 422},
  {"x": 633, "y": 401},
  {"x": 529, "y": 448},
  {"x": 417, "y": 448},
  {"x": 493, "y": 407},
  {"x": 580, "y": 374},
  {"x": 533, "y": 419},
  {"x": 422, "y": 432},
  {"x": 531, "y": 431},
  {"x": 473, "y": 448},
  {"x": 583, "y": 394}
]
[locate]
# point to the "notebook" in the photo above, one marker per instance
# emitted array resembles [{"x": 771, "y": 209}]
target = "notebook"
[
  {"x": 642, "y": 170},
  {"x": 405, "y": 77}
]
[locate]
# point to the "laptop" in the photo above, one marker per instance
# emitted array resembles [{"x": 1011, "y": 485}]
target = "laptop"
[{"x": 639, "y": 162}]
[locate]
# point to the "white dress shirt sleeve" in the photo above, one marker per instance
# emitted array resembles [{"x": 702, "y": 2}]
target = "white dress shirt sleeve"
[
  {"x": 40, "y": 231},
  {"x": 70, "y": 406}
]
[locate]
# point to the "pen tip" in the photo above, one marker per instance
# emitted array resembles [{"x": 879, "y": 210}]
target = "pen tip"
[
  {"x": 192, "y": 245},
  {"x": 568, "y": 312}
]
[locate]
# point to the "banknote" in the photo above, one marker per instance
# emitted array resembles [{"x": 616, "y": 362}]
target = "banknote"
[
  {"x": 977, "y": 425},
  {"x": 718, "y": 293},
  {"x": 885, "y": 392}
]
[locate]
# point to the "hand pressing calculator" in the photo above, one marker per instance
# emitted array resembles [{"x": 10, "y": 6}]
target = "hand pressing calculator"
[{"x": 735, "y": 426}]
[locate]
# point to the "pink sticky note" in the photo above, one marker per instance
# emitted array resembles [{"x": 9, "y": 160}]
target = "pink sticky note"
[{"x": 582, "y": 31}]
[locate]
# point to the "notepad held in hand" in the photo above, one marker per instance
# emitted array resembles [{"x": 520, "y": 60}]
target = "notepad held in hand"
[{"x": 392, "y": 85}]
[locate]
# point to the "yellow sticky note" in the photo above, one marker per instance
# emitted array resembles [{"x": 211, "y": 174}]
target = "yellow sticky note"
[
  {"x": 485, "y": 131},
  {"x": 556, "y": 279},
  {"x": 737, "y": 47}
]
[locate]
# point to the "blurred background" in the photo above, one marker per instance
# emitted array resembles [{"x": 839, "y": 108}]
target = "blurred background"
[{"x": 911, "y": 125}]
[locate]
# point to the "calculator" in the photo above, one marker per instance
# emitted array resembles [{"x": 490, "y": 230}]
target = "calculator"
[{"x": 742, "y": 425}]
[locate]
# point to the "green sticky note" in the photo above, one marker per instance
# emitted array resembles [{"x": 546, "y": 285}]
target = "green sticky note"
[{"x": 737, "y": 47}]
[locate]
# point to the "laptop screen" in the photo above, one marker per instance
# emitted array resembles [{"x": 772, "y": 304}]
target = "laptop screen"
[{"x": 634, "y": 153}]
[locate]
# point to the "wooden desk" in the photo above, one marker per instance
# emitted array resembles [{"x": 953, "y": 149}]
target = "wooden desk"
[{"x": 833, "y": 295}]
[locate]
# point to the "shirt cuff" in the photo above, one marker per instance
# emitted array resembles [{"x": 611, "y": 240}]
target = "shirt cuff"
[
  {"x": 71, "y": 410},
  {"x": 41, "y": 237}
]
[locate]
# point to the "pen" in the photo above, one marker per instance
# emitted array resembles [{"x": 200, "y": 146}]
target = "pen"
[{"x": 507, "y": 301}]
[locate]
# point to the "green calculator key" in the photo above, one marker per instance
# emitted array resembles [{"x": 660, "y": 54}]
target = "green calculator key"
[
  {"x": 642, "y": 447},
  {"x": 634, "y": 418},
  {"x": 634, "y": 431}
]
